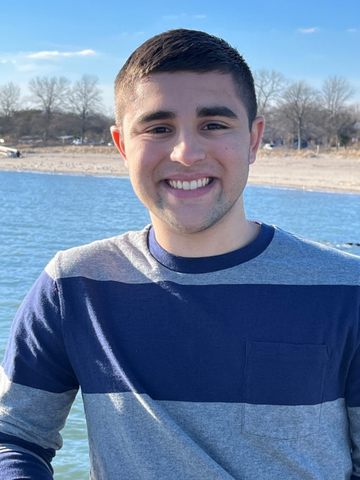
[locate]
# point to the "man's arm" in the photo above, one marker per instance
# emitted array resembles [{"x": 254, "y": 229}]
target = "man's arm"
[
  {"x": 18, "y": 462},
  {"x": 37, "y": 386}
]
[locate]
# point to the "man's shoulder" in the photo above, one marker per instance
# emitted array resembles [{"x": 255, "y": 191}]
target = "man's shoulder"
[
  {"x": 102, "y": 259},
  {"x": 319, "y": 260},
  {"x": 298, "y": 245}
]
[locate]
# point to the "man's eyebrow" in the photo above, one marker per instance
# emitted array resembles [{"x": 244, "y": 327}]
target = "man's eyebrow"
[
  {"x": 157, "y": 115},
  {"x": 215, "y": 111}
]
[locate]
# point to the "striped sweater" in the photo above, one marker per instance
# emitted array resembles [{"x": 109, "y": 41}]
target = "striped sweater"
[{"x": 239, "y": 366}]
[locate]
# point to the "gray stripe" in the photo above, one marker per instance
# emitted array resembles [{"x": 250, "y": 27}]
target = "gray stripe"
[
  {"x": 40, "y": 425},
  {"x": 131, "y": 437},
  {"x": 135, "y": 437},
  {"x": 288, "y": 260},
  {"x": 354, "y": 418}
]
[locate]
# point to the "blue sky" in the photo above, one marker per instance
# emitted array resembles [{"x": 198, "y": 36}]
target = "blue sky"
[{"x": 308, "y": 40}]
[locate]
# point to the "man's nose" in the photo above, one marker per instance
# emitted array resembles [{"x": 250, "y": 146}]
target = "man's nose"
[{"x": 188, "y": 151}]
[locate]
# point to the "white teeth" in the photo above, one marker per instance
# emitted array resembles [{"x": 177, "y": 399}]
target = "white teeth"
[{"x": 193, "y": 185}]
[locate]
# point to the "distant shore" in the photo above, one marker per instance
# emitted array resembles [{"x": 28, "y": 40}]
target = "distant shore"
[{"x": 337, "y": 171}]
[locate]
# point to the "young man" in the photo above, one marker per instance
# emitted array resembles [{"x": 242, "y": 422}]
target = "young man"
[{"x": 206, "y": 346}]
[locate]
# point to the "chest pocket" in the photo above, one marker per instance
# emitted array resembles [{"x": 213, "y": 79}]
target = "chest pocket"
[{"x": 283, "y": 389}]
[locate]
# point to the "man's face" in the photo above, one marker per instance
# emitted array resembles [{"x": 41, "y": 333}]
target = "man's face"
[{"x": 186, "y": 142}]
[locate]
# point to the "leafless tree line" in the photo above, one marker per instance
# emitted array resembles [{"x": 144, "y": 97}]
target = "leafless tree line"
[
  {"x": 294, "y": 111},
  {"x": 57, "y": 108}
]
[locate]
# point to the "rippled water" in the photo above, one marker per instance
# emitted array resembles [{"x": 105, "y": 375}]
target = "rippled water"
[{"x": 42, "y": 213}]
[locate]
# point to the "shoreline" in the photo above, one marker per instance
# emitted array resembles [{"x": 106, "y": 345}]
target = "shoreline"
[
  {"x": 329, "y": 172},
  {"x": 250, "y": 182}
]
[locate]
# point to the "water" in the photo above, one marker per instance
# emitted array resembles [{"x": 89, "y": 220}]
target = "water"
[
  {"x": 39, "y": 215},
  {"x": 42, "y": 213},
  {"x": 330, "y": 218}
]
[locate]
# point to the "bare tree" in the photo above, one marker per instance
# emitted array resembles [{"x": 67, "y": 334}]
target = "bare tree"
[
  {"x": 85, "y": 99},
  {"x": 49, "y": 94},
  {"x": 9, "y": 99},
  {"x": 269, "y": 85},
  {"x": 297, "y": 104},
  {"x": 335, "y": 93}
]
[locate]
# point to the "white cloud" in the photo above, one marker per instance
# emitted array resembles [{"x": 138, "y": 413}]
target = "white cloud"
[
  {"x": 307, "y": 30},
  {"x": 170, "y": 17},
  {"x": 56, "y": 54},
  {"x": 352, "y": 30}
]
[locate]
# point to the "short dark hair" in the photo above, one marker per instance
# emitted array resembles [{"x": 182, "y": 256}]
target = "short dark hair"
[{"x": 184, "y": 50}]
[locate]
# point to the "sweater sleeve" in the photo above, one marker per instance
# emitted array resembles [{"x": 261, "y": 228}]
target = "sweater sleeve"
[{"x": 37, "y": 386}]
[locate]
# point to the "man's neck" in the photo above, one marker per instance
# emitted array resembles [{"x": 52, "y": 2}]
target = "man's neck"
[{"x": 216, "y": 240}]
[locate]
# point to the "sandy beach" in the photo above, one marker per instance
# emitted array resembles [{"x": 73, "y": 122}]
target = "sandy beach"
[
  {"x": 335, "y": 171},
  {"x": 330, "y": 171}
]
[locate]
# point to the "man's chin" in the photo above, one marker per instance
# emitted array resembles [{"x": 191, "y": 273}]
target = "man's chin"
[{"x": 188, "y": 227}]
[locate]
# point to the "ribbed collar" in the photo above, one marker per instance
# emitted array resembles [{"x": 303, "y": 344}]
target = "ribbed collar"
[{"x": 214, "y": 263}]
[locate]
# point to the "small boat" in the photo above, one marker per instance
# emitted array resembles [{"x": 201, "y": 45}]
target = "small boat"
[{"x": 10, "y": 152}]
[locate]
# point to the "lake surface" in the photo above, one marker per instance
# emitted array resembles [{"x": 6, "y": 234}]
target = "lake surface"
[{"x": 43, "y": 213}]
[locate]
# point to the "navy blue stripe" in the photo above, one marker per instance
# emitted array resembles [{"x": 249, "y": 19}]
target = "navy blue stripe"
[
  {"x": 22, "y": 466},
  {"x": 180, "y": 342},
  {"x": 191, "y": 343},
  {"x": 47, "y": 454},
  {"x": 35, "y": 354},
  {"x": 214, "y": 263}
]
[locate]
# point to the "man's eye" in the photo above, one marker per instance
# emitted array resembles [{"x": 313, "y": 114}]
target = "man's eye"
[
  {"x": 214, "y": 126},
  {"x": 158, "y": 130}
]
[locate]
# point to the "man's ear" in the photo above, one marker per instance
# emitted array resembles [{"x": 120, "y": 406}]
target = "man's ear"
[
  {"x": 119, "y": 142},
  {"x": 255, "y": 137}
]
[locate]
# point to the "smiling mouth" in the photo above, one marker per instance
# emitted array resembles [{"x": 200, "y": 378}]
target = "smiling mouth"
[{"x": 192, "y": 185}]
